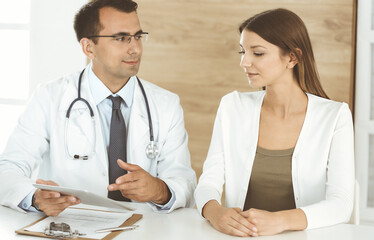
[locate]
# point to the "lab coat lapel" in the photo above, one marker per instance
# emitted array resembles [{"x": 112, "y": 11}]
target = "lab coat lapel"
[
  {"x": 138, "y": 128},
  {"x": 84, "y": 122},
  {"x": 100, "y": 147}
]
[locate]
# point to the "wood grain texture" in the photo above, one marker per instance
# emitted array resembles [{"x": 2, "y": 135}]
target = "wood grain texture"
[{"x": 193, "y": 45}]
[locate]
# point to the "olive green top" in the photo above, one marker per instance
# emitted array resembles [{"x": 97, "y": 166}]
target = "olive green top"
[{"x": 270, "y": 186}]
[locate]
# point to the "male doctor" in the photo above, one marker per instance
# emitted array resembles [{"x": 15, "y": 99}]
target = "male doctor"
[{"x": 92, "y": 154}]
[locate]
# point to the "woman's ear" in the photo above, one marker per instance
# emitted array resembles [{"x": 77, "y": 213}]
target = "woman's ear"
[
  {"x": 88, "y": 47},
  {"x": 293, "y": 58}
]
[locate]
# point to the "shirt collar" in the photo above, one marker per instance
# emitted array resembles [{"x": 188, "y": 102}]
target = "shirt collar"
[{"x": 100, "y": 91}]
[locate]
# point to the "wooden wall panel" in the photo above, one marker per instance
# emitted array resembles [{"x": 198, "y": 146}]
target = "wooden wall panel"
[{"x": 193, "y": 47}]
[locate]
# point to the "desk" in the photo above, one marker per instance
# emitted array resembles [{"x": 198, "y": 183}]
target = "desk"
[{"x": 183, "y": 224}]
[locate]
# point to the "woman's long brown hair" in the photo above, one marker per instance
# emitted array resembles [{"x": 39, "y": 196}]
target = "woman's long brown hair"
[{"x": 286, "y": 30}]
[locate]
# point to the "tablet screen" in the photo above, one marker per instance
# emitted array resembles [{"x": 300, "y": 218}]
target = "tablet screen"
[{"x": 86, "y": 197}]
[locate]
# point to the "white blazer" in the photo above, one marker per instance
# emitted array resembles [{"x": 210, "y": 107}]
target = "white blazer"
[
  {"x": 37, "y": 149},
  {"x": 322, "y": 162}
]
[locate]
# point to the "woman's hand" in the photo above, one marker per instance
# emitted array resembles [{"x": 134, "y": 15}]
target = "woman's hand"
[
  {"x": 228, "y": 220},
  {"x": 270, "y": 223},
  {"x": 267, "y": 223}
]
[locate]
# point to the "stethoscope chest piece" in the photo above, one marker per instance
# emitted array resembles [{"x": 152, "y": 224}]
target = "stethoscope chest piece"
[{"x": 151, "y": 150}]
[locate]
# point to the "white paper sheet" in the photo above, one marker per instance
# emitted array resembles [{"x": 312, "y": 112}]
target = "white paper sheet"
[{"x": 85, "y": 221}]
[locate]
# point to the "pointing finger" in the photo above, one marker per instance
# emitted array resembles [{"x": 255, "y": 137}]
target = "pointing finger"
[{"x": 127, "y": 166}]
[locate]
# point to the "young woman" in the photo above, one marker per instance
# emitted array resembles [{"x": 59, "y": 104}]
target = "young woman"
[{"x": 285, "y": 154}]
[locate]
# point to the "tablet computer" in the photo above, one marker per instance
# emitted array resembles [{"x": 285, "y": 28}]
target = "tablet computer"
[{"x": 87, "y": 197}]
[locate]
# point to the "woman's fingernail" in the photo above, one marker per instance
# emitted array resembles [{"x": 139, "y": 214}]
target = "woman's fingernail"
[{"x": 254, "y": 229}]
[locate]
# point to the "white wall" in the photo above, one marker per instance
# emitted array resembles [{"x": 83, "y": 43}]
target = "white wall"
[
  {"x": 364, "y": 108},
  {"x": 54, "y": 50}
]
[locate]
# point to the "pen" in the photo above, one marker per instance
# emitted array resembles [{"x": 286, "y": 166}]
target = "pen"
[{"x": 117, "y": 229}]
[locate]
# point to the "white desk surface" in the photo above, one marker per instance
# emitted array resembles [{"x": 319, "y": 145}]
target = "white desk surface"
[{"x": 183, "y": 224}]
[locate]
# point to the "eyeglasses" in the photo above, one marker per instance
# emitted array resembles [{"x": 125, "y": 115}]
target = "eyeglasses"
[{"x": 126, "y": 38}]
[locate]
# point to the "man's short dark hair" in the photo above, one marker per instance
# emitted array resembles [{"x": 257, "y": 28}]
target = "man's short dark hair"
[{"x": 87, "y": 21}]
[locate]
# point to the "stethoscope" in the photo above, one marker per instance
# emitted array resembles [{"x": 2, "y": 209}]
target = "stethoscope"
[{"x": 151, "y": 150}]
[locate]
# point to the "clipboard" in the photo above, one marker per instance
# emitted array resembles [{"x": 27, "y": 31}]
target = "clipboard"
[{"x": 130, "y": 221}]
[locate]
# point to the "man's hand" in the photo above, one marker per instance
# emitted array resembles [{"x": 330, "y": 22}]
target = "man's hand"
[
  {"x": 50, "y": 202},
  {"x": 140, "y": 186},
  {"x": 228, "y": 220}
]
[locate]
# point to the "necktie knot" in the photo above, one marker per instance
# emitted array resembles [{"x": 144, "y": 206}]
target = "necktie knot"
[{"x": 116, "y": 101}]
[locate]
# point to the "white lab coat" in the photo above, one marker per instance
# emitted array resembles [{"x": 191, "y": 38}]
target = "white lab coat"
[
  {"x": 322, "y": 162},
  {"x": 37, "y": 149}
]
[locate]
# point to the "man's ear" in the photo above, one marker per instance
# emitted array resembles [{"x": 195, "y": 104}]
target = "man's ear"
[
  {"x": 293, "y": 58},
  {"x": 88, "y": 47}
]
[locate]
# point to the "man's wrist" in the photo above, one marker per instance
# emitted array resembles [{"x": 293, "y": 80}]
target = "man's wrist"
[
  {"x": 34, "y": 204},
  {"x": 164, "y": 195}
]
